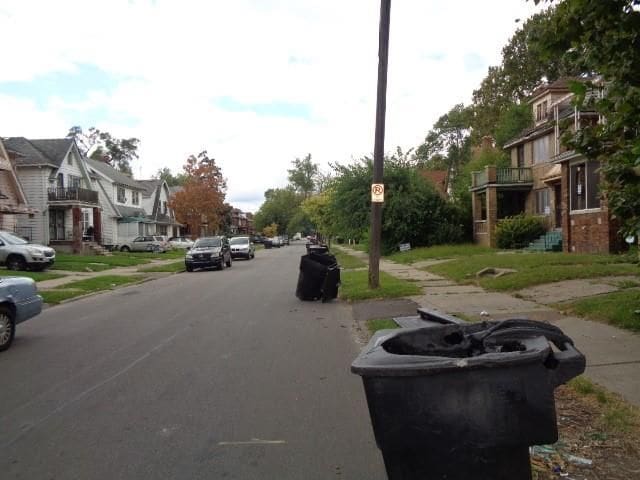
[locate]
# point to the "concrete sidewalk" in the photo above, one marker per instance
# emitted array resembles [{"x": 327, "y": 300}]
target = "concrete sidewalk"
[
  {"x": 613, "y": 355},
  {"x": 70, "y": 276}
]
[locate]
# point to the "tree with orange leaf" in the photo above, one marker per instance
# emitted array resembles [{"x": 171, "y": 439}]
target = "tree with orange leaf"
[{"x": 201, "y": 201}]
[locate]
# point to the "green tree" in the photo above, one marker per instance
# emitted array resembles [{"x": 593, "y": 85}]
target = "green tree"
[
  {"x": 603, "y": 36},
  {"x": 302, "y": 177},
  {"x": 171, "y": 179},
  {"x": 447, "y": 142},
  {"x": 280, "y": 206},
  {"x": 512, "y": 121},
  {"x": 102, "y": 146},
  {"x": 413, "y": 211}
]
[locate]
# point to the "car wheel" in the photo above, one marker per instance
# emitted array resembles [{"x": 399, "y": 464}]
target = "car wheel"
[
  {"x": 222, "y": 265},
  {"x": 125, "y": 249},
  {"x": 7, "y": 328},
  {"x": 189, "y": 268},
  {"x": 16, "y": 262},
  {"x": 229, "y": 262}
]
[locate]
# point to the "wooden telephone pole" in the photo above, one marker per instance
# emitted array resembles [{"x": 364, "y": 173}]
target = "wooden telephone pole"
[{"x": 378, "y": 151}]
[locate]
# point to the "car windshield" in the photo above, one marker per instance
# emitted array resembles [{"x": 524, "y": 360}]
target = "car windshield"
[
  {"x": 239, "y": 241},
  {"x": 12, "y": 239},
  {"x": 207, "y": 242}
]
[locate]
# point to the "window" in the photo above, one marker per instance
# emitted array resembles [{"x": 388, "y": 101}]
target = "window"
[
  {"x": 74, "y": 182},
  {"x": 520, "y": 156},
  {"x": 541, "y": 149},
  {"x": 135, "y": 197},
  {"x": 121, "y": 195},
  {"x": 543, "y": 201},
  {"x": 584, "y": 184},
  {"x": 541, "y": 111}
]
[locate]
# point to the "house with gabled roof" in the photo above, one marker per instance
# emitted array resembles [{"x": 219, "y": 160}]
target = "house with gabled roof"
[
  {"x": 548, "y": 179},
  {"x": 155, "y": 201},
  {"x": 124, "y": 217},
  {"x": 13, "y": 201},
  {"x": 56, "y": 182}
]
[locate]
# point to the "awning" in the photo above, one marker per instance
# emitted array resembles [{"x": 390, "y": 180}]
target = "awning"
[
  {"x": 553, "y": 175},
  {"x": 134, "y": 220}
]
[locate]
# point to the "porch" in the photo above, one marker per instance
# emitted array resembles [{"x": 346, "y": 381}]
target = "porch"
[{"x": 73, "y": 228}]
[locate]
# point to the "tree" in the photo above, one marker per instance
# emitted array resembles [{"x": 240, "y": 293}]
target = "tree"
[
  {"x": 302, "y": 177},
  {"x": 172, "y": 180},
  {"x": 102, "y": 146},
  {"x": 512, "y": 121},
  {"x": 413, "y": 211},
  {"x": 603, "y": 37},
  {"x": 279, "y": 207},
  {"x": 316, "y": 208},
  {"x": 449, "y": 140},
  {"x": 200, "y": 204},
  {"x": 270, "y": 230}
]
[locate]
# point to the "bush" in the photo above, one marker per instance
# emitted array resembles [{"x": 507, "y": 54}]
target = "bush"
[{"x": 518, "y": 231}]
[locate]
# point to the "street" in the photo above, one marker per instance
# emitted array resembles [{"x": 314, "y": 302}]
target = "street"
[{"x": 204, "y": 375}]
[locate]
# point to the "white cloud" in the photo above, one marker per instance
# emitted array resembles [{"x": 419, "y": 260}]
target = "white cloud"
[{"x": 173, "y": 59}]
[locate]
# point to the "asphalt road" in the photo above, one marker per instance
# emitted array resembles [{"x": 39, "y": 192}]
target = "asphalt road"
[{"x": 207, "y": 375}]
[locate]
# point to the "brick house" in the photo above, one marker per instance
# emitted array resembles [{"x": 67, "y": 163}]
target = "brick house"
[{"x": 547, "y": 179}]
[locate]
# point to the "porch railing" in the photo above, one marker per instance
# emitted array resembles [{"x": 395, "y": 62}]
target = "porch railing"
[
  {"x": 480, "y": 227},
  {"x": 56, "y": 194},
  {"x": 504, "y": 176}
]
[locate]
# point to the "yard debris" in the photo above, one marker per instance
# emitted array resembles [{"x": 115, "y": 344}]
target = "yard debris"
[
  {"x": 494, "y": 272},
  {"x": 578, "y": 460}
]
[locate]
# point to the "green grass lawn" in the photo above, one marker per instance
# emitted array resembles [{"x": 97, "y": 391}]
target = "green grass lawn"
[
  {"x": 53, "y": 297},
  {"x": 103, "y": 282},
  {"x": 81, "y": 266},
  {"x": 37, "y": 276},
  {"x": 170, "y": 267},
  {"x": 116, "y": 260},
  {"x": 617, "y": 308},
  {"x": 438, "y": 252},
  {"x": 355, "y": 286},
  {"x": 533, "y": 268},
  {"x": 347, "y": 261}
]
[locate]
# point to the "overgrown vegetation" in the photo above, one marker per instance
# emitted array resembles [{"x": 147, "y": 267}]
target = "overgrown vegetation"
[{"x": 517, "y": 231}]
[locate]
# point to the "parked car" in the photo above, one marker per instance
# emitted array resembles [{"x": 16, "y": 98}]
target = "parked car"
[
  {"x": 276, "y": 241},
  {"x": 241, "y": 247},
  {"x": 258, "y": 238},
  {"x": 209, "y": 252},
  {"x": 146, "y": 243},
  {"x": 164, "y": 241},
  {"x": 181, "y": 242},
  {"x": 19, "y": 301},
  {"x": 18, "y": 254},
  {"x": 285, "y": 239}
]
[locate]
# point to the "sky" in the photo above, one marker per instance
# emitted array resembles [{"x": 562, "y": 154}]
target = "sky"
[{"x": 256, "y": 83}]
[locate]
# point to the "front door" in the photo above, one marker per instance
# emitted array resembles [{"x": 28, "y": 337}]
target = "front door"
[
  {"x": 557, "y": 193},
  {"x": 56, "y": 224}
]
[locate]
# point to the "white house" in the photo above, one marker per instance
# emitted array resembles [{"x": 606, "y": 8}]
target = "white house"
[
  {"x": 13, "y": 201},
  {"x": 156, "y": 202},
  {"x": 121, "y": 196},
  {"x": 56, "y": 182}
]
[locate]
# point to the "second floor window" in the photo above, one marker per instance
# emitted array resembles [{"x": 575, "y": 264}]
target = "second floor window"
[
  {"x": 122, "y": 198},
  {"x": 520, "y": 156},
  {"x": 74, "y": 182},
  {"x": 135, "y": 198},
  {"x": 541, "y": 150}
]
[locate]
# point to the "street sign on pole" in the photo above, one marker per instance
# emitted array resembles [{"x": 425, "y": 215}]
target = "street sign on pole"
[
  {"x": 378, "y": 149},
  {"x": 377, "y": 193}
]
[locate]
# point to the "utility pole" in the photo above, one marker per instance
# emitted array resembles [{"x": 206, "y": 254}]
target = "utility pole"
[{"x": 377, "y": 189}]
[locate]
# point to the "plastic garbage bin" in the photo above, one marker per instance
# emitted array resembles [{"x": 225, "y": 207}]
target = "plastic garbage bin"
[
  {"x": 311, "y": 247},
  {"x": 462, "y": 402},
  {"x": 319, "y": 277},
  {"x": 267, "y": 244}
]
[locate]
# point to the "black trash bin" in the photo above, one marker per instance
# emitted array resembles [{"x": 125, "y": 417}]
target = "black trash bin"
[
  {"x": 267, "y": 243},
  {"x": 315, "y": 248},
  {"x": 319, "y": 277},
  {"x": 462, "y": 402}
]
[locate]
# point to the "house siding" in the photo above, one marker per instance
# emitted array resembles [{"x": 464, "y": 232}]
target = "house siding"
[
  {"x": 34, "y": 184},
  {"x": 109, "y": 216}
]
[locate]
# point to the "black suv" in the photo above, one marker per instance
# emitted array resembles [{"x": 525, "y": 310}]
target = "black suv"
[{"x": 209, "y": 252}]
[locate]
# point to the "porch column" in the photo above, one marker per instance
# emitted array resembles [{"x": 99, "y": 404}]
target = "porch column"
[
  {"x": 76, "y": 214},
  {"x": 566, "y": 215},
  {"x": 97, "y": 225},
  {"x": 492, "y": 215}
]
